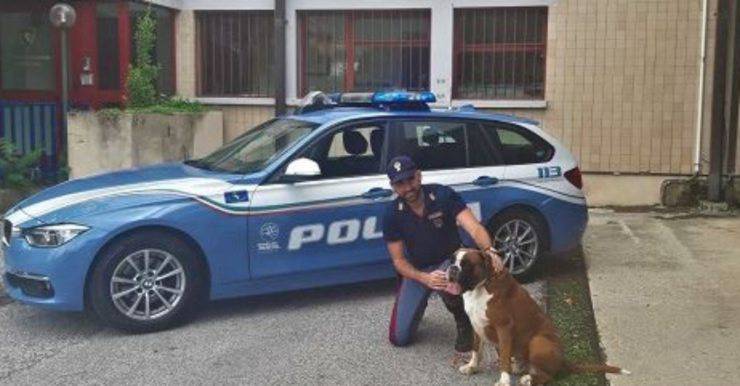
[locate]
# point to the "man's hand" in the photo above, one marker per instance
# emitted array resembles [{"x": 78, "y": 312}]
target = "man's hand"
[
  {"x": 436, "y": 280},
  {"x": 496, "y": 262},
  {"x": 482, "y": 239}
]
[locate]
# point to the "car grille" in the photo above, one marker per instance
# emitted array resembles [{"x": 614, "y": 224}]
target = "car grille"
[
  {"x": 31, "y": 285},
  {"x": 7, "y": 228}
]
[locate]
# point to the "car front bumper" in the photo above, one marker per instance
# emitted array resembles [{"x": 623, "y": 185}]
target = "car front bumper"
[{"x": 51, "y": 278}]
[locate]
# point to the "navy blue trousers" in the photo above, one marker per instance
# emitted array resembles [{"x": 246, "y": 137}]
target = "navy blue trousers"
[{"x": 411, "y": 302}]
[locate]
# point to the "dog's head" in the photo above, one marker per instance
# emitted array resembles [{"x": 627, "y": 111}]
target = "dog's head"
[{"x": 469, "y": 268}]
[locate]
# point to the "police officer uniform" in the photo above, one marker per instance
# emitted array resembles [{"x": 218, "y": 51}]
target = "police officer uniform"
[{"x": 430, "y": 241}]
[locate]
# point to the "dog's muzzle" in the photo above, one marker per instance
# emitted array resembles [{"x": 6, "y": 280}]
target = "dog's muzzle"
[{"x": 452, "y": 273}]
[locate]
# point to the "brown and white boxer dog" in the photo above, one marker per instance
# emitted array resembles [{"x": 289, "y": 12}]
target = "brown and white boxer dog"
[{"x": 502, "y": 313}]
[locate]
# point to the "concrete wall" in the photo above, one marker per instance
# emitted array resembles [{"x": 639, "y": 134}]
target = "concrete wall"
[
  {"x": 240, "y": 119},
  {"x": 611, "y": 190},
  {"x": 105, "y": 142}
]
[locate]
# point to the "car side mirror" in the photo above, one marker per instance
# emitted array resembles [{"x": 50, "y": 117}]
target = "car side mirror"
[{"x": 301, "y": 169}]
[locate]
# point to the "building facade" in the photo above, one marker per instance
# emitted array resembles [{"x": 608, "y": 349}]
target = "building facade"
[
  {"x": 622, "y": 83},
  {"x": 101, "y": 46}
]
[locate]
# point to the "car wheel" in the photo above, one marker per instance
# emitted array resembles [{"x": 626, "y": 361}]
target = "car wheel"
[
  {"x": 145, "y": 282},
  {"x": 519, "y": 237}
]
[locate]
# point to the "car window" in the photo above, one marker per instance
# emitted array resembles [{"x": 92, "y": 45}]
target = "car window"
[
  {"x": 482, "y": 148},
  {"x": 351, "y": 151},
  {"x": 434, "y": 144},
  {"x": 519, "y": 146},
  {"x": 255, "y": 149}
]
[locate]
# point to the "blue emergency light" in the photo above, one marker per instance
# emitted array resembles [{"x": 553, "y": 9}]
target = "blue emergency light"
[
  {"x": 403, "y": 97},
  {"x": 387, "y": 100}
]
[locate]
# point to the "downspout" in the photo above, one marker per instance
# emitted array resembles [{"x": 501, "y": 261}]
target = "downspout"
[
  {"x": 700, "y": 99},
  {"x": 279, "y": 67}
]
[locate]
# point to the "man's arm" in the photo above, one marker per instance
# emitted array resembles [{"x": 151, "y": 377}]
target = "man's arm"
[
  {"x": 479, "y": 234},
  {"x": 403, "y": 267}
]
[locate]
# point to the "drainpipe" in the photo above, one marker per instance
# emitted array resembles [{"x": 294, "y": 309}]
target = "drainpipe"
[
  {"x": 279, "y": 67},
  {"x": 700, "y": 99},
  {"x": 724, "y": 98}
]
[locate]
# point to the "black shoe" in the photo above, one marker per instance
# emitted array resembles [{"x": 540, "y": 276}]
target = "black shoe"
[{"x": 464, "y": 341}]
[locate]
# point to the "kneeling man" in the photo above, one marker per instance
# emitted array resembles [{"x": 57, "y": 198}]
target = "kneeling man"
[{"x": 420, "y": 229}]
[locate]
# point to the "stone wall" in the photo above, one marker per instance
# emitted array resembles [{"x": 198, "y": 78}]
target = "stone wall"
[{"x": 105, "y": 142}]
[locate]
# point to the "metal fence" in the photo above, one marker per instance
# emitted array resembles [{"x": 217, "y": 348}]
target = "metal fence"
[{"x": 29, "y": 126}]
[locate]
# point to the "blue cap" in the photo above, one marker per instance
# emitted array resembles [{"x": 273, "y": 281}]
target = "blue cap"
[{"x": 400, "y": 168}]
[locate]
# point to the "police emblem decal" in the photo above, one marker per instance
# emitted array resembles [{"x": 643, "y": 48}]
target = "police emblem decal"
[{"x": 269, "y": 233}]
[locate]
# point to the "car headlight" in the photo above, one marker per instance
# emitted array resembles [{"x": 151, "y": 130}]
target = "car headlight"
[{"x": 53, "y": 235}]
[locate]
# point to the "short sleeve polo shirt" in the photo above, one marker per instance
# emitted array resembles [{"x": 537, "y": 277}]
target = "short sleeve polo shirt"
[{"x": 434, "y": 236}]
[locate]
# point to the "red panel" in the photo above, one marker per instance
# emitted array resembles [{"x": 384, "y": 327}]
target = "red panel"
[{"x": 82, "y": 46}]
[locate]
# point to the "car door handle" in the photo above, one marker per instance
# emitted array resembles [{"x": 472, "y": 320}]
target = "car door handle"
[
  {"x": 485, "y": 181},
  {"x": 376, "y": 193}
]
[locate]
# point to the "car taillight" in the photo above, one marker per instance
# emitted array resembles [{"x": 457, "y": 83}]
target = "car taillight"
[{"x": 574, "y": 177}]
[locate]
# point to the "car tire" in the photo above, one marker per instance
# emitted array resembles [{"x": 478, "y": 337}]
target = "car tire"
[
  {"x": 160, "y": 282},
  {"x": 533, "y": 241}
]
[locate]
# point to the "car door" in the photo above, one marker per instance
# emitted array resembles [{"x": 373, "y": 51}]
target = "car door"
[
  {"x": 330, "y": 222},
  {"x": 456, "y": 153},
  {"x": 529, "y": 159}
]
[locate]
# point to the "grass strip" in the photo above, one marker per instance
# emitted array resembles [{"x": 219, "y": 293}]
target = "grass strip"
[{"x": 569, "y": 306}]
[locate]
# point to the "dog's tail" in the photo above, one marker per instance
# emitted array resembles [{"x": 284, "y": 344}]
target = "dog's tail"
[{"x": 594, "y": 368}]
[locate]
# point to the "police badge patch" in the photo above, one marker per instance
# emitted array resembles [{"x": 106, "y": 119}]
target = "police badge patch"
[{"x": 437, "y": 219}]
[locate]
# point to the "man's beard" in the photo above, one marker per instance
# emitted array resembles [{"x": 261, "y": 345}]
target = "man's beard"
[{"x": 413, "y": 196}]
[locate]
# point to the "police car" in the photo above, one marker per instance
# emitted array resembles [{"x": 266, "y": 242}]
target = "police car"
[{"x": 295, "y": 203}]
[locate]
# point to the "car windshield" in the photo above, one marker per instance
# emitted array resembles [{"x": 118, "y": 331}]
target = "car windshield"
[{"x": 252, "y": 151}]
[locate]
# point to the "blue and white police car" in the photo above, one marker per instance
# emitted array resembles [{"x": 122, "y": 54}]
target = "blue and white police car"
[{"x": 295, "y": 203}]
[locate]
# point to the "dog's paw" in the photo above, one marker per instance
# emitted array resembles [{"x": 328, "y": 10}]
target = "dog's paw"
[
  {"x": 468, "y": 369},
  {"x": 504, "y": 380},
  {"x": 525, "y": 380}
]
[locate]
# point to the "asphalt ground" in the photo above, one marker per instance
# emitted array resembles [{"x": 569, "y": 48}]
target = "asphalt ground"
[
  {"x": 665, "y": 293},
  {"x": 334, "y": 336}
]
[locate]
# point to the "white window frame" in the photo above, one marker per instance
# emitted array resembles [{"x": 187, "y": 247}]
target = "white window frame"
[{"x": 441, "y": 50}]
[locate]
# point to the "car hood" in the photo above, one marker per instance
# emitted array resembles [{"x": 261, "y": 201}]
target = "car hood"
[{"x": 166, "y": 179}]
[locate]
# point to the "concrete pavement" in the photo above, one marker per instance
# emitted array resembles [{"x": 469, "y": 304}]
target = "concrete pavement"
[{"x": 665, "y": 291}]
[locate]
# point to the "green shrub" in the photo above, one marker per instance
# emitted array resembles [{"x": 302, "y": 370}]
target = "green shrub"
[
  {"x": 142, "y": 76},
  {"x": 17, "y": 171}
]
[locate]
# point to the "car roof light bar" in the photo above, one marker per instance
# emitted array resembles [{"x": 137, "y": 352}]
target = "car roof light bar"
[{"x": 387, "y": 100}]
